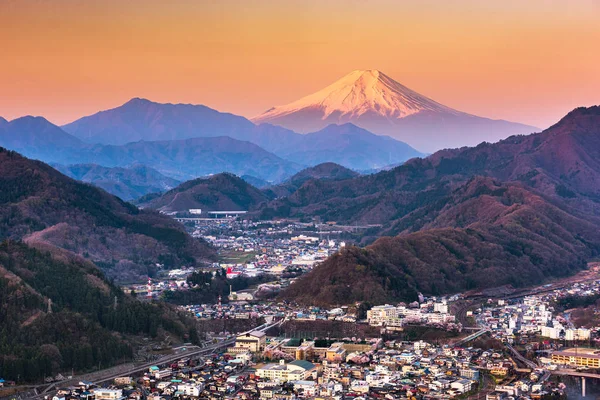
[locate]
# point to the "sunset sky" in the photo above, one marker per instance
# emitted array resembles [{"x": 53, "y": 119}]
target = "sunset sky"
[{"x": 526, "y": 61}]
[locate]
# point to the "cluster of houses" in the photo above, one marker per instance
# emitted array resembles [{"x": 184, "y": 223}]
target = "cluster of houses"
[
  {"x": 530, "y": 315},
  {"x": 426, "y": 312}
]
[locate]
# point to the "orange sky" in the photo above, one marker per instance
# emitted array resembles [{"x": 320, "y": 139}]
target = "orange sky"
[{"x": 529, "y": 62}]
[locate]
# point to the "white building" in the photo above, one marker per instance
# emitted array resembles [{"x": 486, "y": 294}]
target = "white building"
[
  {"x": 294, "y": 371},
  {"x": 462, "y": 385},
  {"x": 108, "y": 394},
  {"x": 190, "y": 390},
  {"x": 380, "y": 315}
]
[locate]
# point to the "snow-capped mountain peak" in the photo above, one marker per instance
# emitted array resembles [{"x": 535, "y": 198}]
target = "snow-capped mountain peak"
[
  {"x": 373, "y": 101},
  {"x": 360, "y": 92}
]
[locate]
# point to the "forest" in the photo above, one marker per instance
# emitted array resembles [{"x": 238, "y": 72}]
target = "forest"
[{"x": 89, "y": 323}]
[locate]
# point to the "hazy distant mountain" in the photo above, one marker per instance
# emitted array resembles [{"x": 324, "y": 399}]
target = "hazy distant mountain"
[
  {"x": 38, "y": 138},
  {"x": 376, "y": 102},
  {"x": 322, "y": 172},
  {"x": 141, "y": 119},
  {"x": 190, "y": 158},
  {"x": 39, "y": 205},
  {"x": 221, "y": 192},
  {"x": 254, "y": 181},
  {"x": 347, "y": 145},
  {"x": 127, "y": 183}
]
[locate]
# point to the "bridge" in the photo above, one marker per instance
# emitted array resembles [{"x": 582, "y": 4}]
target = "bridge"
[
  {"x": 472, "y": 336},
  {"x": 579, "y": 374}
]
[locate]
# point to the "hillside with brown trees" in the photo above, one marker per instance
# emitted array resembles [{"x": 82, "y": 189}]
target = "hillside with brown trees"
[
  {"x": 40, "y": 205},
  {"x": 516, "y": 212}
]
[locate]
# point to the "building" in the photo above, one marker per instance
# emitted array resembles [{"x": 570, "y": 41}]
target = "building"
[
  {"x": 252, "y": 341},
  {"x": 462, "y": 385},
  {"x": 441, "y": 307},
  {"x": 580, "y": 357},
  {"x": 123, "y": 380},
  {"x": 469, "y": 373},
  {"x": 380, "y": 315},
  {"x": 307, "y": 388},
  {"x": 577, "y": 334},
  {"x": 190, "y": 390},
  {"x": 108, "y": 394},
  {"x": 163, "y": 373},
  {"x": 298, "y": 370}
]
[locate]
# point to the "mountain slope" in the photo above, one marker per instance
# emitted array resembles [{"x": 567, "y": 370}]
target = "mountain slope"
[
  {"x": 89, "y": 323},
  {"x": 489, "y": 234},
  {"x": 189, "y": 158},
  {"x": 40, "y": 205},
  {"x": 126, "y": 183},
  {"x": 348, "y": 145},
  {"x": 221, "y": 192},
  {"x": 374, "y": 101},
  {"x": 533, "y": 214},
  {"x": 38, "y": 138},
  {"x": 324, "y": 172}
]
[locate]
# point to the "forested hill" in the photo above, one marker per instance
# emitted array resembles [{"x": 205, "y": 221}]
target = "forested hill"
[
  {"x": 40, "y": 205},
  {"x": 219, "y": 192},
  {"x": 515, "y": 212},
  {"x": 85, "y": 327}
]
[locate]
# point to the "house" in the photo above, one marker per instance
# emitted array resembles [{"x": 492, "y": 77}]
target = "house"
[{"x": 307, "y": 388}]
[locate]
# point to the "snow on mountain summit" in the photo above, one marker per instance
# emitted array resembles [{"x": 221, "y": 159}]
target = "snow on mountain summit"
[
  {"x": 360, "y": 92},
  {"x": 373, "y": 101}
]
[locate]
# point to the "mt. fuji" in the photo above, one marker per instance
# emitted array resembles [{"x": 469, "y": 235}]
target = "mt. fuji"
[{"x": 374, "y": 101}]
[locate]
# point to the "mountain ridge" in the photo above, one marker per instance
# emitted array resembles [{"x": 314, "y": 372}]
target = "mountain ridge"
[
  {"x": 38, "y": 204},
  {"x": 142, "y": 119},
  {"x": 514, "y": 212},
  {"x": 127, "y": 183}
]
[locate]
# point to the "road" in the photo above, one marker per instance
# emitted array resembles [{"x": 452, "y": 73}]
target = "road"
[
  {"x": 164, "y": 360},
  {"x": 519, "y": 357},
  {"x": 572, "y": 372}
]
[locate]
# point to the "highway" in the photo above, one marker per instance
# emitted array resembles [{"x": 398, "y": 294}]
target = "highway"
[{"x": 519, "y": 357}]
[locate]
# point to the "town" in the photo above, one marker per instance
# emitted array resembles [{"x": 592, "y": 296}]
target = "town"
[
  {"x": 520, "y": 348},
  {"x": 457, "y": 346}
]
